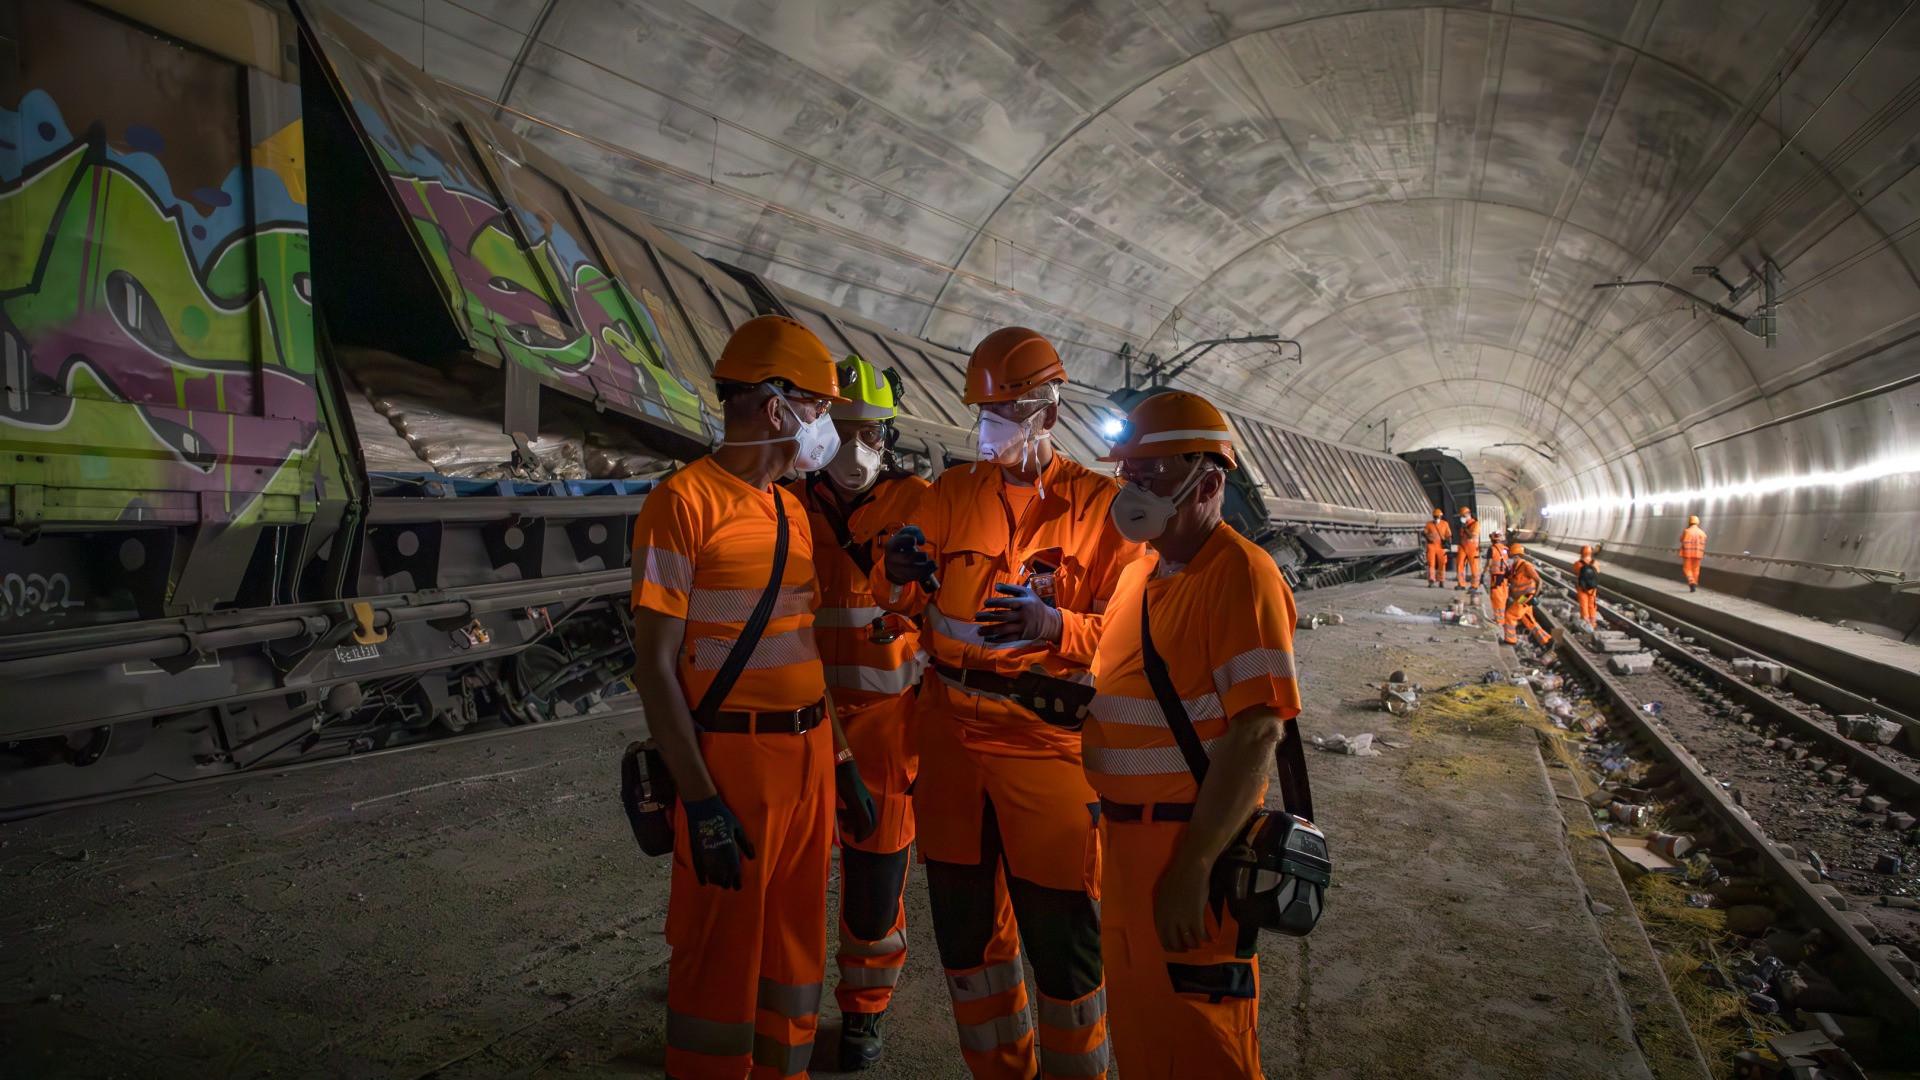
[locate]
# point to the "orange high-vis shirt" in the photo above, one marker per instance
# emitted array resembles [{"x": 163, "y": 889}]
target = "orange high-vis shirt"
[
  {"x": 859, "y": 670},
  {"x": 1497, "y": 562},
  {"x": 1223, "y": 625},
  {"x": 978, "y": 540},
  {"x": 1693, "y": 542},
  {"x": 1470, "y": 533},
  {"x": 1438, "y": 532},
  {"x": 702, "y": 551},
  {"x": 1523, "y": 577}
]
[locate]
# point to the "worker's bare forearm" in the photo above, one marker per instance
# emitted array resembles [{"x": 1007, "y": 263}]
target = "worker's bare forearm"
[
  {"x": 656, "y": 648},
  {"x": 1241, "y": 761},
  {"x": 833, "y": 718}
]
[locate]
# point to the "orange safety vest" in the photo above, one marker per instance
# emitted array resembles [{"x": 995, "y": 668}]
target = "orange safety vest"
[
  {"x": 1470, "y": 533},
  {"x": 1693, "y": 542},
  {"x": 1498, "y": 564},
  {"x": 1438, "y": 532},
  {"x": 976, "y": 543},
  {"x": 858, "y": 669},
  {"x": 1523, "y": 578}
]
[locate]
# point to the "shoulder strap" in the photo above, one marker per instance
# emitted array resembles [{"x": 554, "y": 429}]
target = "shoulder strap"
[
  {"x": 1289, "y": 758},
  {"x": 743, "y": 645},
  {"x": 861, "y": 555}
]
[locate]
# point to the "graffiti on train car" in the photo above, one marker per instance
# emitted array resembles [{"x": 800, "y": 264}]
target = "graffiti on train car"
[
  {"x": 595, "y": 329},
  {"x": 156, "y": 334}
]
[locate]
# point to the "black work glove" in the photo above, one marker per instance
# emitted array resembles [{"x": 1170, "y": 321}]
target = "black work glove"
[
  {"x": 1018, "y": 614},
  {"x": 717, "y": 842},
  {"x": 858, "y": 816},
  {"x": 906, "y": 563}
]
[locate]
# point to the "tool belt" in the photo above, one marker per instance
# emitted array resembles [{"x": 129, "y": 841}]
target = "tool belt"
[
  {"x": 783, "y": 722},
  {"x": 1062, "y": 703},
  {"x": 1132, "y": 812}
]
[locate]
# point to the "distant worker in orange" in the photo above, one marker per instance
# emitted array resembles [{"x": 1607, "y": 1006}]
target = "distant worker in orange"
[
  {"x": 1467, "y": 564},
  {"x": 755, "y": 763},
  {"x": 871, "y": 660},
  {"x": 1586, "y": 585},
  {"x": 1438, "y": 533},
  {"x": 1185, "y": 1000},
  {"x": 1693, "y": 547},
  {"x": 1498, "y": 565},
  {"x": 1020, "y": 558},
  {"x": 1523, "y": 583}
]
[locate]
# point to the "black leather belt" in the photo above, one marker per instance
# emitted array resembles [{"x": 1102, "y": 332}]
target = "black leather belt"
[
  {"x": 786, "y": 722},
  {"x": 1060, "y": 702},
  {"x": 981, "y": 680},
  {"x": 1160, "y": 811}
]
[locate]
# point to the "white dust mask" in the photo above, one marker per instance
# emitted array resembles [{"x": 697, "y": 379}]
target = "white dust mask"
[
  {"x": 817, "y": 440},
  {"x": 1139, "y": 515},
  {"x": 1003, "y": 441},
  {"x": 855, "y": 467}
]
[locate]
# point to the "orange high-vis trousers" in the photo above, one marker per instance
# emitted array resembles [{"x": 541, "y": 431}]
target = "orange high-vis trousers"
[
  {"x": 1175, "y": 1014},
  {"x": 873, "y": 872},
  {"x": 1497, "y": 601},
  {"x": 744, "y": 978},
  {"x": 1013, "y": 858},
  {"x": 1436, "y": 562},
  {"x": 1466, "y": 566},
  {"x": 1589, "y": 605},
  {"x": 1690, "y": 566},
  {"x": 1520, "y": 613}
]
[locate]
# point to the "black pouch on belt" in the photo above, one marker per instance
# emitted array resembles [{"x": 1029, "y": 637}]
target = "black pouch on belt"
[
  {"x": 647, "y": 790},
  {"x": 1275, "y": 873}
]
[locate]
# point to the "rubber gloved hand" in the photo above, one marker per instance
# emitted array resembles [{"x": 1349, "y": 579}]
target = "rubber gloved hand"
[
  {"x": 1018, "y": 614},
  {"x": 906, "y": 563},
  {"x": 717, "y": 843},
  {"x": 858, "y": 816}
]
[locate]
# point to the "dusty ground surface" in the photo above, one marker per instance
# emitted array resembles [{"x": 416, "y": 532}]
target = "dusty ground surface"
[{"x": 480, "y": 910}]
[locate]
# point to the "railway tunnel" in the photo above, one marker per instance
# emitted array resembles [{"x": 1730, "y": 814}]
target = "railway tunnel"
[{"x": 346, "y": 341}]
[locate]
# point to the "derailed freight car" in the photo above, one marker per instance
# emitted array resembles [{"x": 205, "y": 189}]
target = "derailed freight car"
[{"x": 328, "y": 402}]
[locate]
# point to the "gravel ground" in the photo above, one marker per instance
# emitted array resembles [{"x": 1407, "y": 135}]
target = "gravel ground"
[{"x": 478, "y": 909}]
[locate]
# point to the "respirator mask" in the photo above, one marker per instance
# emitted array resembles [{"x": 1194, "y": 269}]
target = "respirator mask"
[
  {"x": 1012, "y": 443},
  {"x": 855, "y": 468},
  {"x": 1139, "y": 515},
  {"x": 818, "y": 441}
]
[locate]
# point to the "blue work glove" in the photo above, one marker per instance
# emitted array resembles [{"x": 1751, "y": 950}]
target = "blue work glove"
[
  {"x": 1018, "y": 614},
  {"x": 858, "y": 816},
  {"x": 906, "y": 563},
  {"x": 717, "y": 843}
]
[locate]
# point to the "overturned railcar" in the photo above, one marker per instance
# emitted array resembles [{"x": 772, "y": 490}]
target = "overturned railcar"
[{"x": 327, "y": 402}]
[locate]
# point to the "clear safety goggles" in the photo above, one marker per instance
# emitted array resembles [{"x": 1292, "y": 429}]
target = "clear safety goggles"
[
  {"x": 1023, "y": 408},
  {"x": 1158, "y": 473},
  {"x": 869, "y": 433}
]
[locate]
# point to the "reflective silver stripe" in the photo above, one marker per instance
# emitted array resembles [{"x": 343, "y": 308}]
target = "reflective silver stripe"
[
  {"x": 1147, "y": 761},
  {"x": 736, "y": 605},
  {"x": 667, "y": 569},
  {"x": 1186, "y": 435},
  {"x": 1073, "y": 1014},
  {"x": 1143, "y": 712},
  {"x": 774, "y": 1054},
  {"x": 691, "y": 1033},
  {"x": 999, "y": 1031},
  {"x": 1091, "y": 1063},
  {"x": 872, "y": 679},
  {"x": 886, "y": 946},
  {"x": 844, "y": 618},
  {"x": 985, "y": 982},
  {"x": 1276, "y": 663},
  {"x": 867, "y": 978},
  {"x": 967, "y": 633},
  {"x": 790, "y": 1001},
  {"x": 777, "y": 650}
]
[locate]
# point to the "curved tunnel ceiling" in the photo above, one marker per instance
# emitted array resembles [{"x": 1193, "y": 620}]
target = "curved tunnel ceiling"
[{"x": 1422, "y": 194}]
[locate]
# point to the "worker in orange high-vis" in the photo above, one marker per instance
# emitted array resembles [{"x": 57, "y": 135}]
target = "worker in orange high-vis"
[
  {"x": 1184, "y": 998},
  {"x": 1498, "y": 565},
  {"x": 1586, "y": 585},
  {"x": 1693, "y": 548},
  {"x": 1523, "y": 583},
  {"x": 1019, "y": 559},
  {"x": 1438, "y": 534},
  {"x": 757, "y": 770},
  {"x": 872, "y": 662},
  {"x": 1466, "y": 568}
]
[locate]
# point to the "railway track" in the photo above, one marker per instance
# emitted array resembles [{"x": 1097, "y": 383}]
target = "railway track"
[{"x": 1816, "y": 816}]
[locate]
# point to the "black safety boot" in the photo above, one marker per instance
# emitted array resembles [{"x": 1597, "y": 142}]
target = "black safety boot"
[
  {"x": 1693, "y": 588},
  {"x": 860, "y": 1041}
]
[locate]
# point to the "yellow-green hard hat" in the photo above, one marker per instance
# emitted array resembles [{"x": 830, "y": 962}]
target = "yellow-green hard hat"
[{"x": 871, "y": 393}]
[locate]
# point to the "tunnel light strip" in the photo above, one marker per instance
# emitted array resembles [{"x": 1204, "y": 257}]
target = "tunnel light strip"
[{"x": 1897, "y": 465}]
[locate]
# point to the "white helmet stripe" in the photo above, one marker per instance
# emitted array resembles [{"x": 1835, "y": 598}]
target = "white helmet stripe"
[{"x": 1190, "y": 433}]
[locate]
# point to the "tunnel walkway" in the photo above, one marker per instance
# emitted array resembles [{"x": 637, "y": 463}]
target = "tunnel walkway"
[{"x": 479, "y": 909}]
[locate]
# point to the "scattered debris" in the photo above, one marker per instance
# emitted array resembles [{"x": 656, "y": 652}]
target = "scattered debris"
[
  {"x": 1638, "y": 663},
  {"x": 1868, "y": 728},
  {"x": 1672, "y": 845},
  {"x": 1356, "y": 745},
  {"x": 1399, "y": 696},
  {"x": 1636, "y": 857}
]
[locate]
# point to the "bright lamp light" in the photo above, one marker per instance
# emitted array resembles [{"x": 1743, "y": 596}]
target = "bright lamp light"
[
  {"x": 1897, "y": 465},
  {"x": 1112, "y": 426}
]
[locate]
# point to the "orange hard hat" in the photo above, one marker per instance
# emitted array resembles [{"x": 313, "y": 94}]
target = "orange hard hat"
[
  {"x": 1008, "y": 363},
  {"x": 1516, "y": 548},
  {"x": 1173, "y": 423},
  {"x": 1693, "y": 519},
  {"x": 776, "y": 347},
  {"x": 1437, "y": 512},
  {"x": 1586, "y": 551}
]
